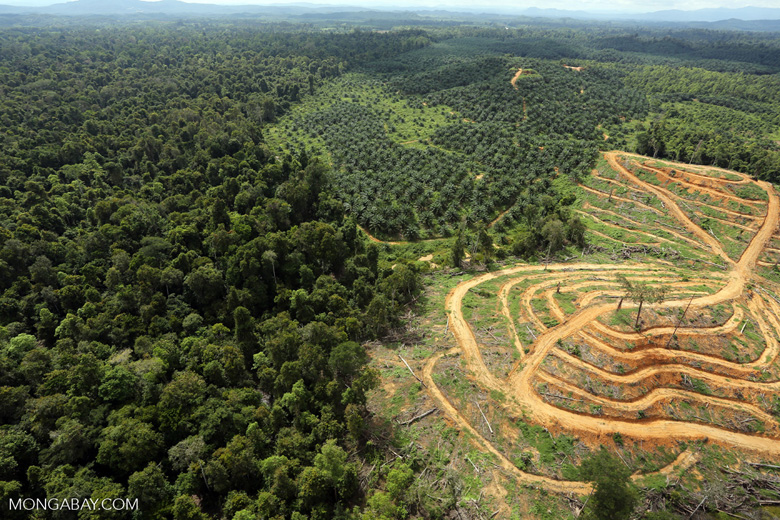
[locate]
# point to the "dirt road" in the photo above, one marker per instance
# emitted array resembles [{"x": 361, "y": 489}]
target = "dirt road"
[
  {"x": 672, "y": 206},
  {"x": 520, "y": 387},
  {"x": 515, "y": 78}
]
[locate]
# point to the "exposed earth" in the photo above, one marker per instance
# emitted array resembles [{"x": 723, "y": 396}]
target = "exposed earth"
[{"x": 702, "y": 365}]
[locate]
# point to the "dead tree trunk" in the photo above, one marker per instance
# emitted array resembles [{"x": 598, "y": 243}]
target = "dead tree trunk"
[
  {"x": 679, "y": 322},
  {"x": 638, "y": 314}
]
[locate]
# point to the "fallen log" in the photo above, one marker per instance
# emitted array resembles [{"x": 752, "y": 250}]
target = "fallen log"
[
  {"x": 561, "y": 397},
  {"x": 719, "y": 266},
  {"x": 532, "y": 332},
  {"x": 485, "y": 418},
  {"x": 412, "y": 371},
  {"x": 732, "y": 514},
  {"x": 757, "y": 465},
  {"x": 767, "y": 293},
  {"x": 475, "y": 466},
  {"x": 697, "y": 507},
  {"x": 418, "y": 417}
]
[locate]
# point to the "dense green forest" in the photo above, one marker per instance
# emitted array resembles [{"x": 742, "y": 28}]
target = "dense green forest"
[
  {"x": 180, "y": 308},
  {"x": 184, "y": 288}
]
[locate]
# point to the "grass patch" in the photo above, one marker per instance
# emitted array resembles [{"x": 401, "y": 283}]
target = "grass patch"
[
  {"x": 550, "y": 449},
  {"x": 622, "y": 317},
  {"x": 751, "y": 192},
  {"x": 566, "y": 302}
]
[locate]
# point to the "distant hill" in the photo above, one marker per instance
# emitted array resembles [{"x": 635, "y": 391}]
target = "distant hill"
[
  {"x": 745, "y": 18},
  {"x": 170, "y": 7},
  {"x": 672, "y": 15},
  {"x": 714, "y": 15}
]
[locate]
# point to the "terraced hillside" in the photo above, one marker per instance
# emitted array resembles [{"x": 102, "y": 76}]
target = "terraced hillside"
[{"x": 567, "y": 348}]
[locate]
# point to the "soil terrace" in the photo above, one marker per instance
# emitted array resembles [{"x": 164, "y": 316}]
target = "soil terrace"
[{"x": 579, "y": 368}]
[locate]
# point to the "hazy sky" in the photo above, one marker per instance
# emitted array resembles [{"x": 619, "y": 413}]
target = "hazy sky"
[
  {"x": 590, "y": 5},
  {"x": 601, "y": 5}
]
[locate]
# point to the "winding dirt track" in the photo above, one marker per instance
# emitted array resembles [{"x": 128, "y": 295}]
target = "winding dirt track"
[
  {"x": 516, "y": 77},
  {"x": 499, "y": 217},
  {"x": 700, "y": 187},
  {"x": 523, "y": 397},
  {"x": 675, "y": 209},
  {"x": 375, "y": 239},
  {"x": 630, "y": 201},
  {"x": 372, "y": 238},
  {"x": 635, "y": 231}
]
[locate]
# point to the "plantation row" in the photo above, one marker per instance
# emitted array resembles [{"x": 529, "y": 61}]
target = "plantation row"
[{"x": 493, "y": 144}]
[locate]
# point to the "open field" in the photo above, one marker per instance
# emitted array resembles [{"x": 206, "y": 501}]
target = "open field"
[{"x": 560, "y": 346}]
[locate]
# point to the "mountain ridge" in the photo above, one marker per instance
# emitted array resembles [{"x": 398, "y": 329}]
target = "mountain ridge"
[{"x": 177, "y": 7}]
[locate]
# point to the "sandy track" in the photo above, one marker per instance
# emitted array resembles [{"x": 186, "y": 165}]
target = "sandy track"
[
  {"x": 628, "y": 216},
  {"x": 643, "y": 374},
  {"x": 665, "y": 356},
  {"x": 505, "y": 464},
  {"x": 519, "y": 384},
  {"x": 736, "y": 214},
  {"x": 674, "y": 196},
  {"x": 708, "y": 189},
  {"x": 638, "y": 224},
  {"x": 672, "y": 206},
  {"x": 731, "y": 222},
  {"x": 729, "y": 326},
  {"x": 500, "y": 216},
  {"x": 503, "y": 298},
  {"x": 743, "y": 177},
  {"x": 514, "y": 79},
  {"x": 652, "y": 397},
  {"x": 615, "y": 226},
  {"x": 638, "y": 231},
  {"x": 372, "y": 238},
  {"x": 622, "y": 199},
  {"x": 624, "y": 242},
  {"x": 375, "y": 239},
  {"x": 647, "y": 374},
  {"x": 733, "y": 288}
]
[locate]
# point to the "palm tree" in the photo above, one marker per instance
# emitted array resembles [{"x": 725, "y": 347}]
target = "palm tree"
[{"x": 641, "y": 293}]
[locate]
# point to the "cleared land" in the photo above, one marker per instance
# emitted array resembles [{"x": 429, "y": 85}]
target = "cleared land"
[{"x": 702, "y": 365}]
